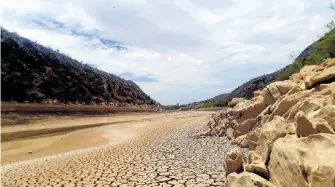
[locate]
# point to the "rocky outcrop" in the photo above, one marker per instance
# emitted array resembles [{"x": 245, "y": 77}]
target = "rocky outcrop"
[
  {"x": 289, "y": 128},
  {"x": 303, "y": 162},
  {"x": 247, "y": 179}
]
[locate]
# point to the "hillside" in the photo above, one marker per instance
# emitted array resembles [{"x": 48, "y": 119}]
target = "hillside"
[
  {"x": 33, "y": 73},
  {"x": 247, "y": 89},
  {"x": 313, "y": 54},
  {"x": 219, "y": 97}
]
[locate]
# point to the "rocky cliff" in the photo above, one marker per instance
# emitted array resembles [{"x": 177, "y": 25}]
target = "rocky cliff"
[
  {"x": 34, "y": 73},
  {"x": 289, "y": 130}
]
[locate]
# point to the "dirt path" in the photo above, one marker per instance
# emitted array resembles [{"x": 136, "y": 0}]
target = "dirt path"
[{"x": 156, "y": 152}]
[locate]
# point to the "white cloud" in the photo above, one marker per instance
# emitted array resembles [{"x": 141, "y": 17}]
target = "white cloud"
[{"x": 196, "y": 49}]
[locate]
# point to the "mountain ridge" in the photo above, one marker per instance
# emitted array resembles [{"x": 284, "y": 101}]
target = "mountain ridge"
[
  {"x": 34, "y": 73},
  {"x": 314, "y": 53}
]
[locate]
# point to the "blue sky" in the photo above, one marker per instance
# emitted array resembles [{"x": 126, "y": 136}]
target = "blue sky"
[{"x": 177, "y": 51}]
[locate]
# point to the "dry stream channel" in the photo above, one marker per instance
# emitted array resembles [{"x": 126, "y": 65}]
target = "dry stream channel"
[{"x": 140, "y": 150}]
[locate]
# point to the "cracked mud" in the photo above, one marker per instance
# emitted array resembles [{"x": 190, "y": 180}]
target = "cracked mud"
[{"x": 164, "y": 156}]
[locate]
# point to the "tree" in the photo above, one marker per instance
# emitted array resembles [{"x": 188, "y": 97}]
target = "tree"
[{"x": 331, "y": 24}]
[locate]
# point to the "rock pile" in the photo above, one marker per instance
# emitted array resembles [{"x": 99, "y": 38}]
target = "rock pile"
[{"x": 289, "y": 128}]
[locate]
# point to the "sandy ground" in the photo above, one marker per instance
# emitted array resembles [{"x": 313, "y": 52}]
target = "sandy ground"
[
  {"x": 121, "y": 128},
  {"x": 144, "y": 150}
]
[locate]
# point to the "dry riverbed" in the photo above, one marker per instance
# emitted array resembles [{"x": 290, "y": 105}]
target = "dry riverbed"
[{"x": 139, "y": 150}]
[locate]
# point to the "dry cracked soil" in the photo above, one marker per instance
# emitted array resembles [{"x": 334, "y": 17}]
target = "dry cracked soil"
[{"x": 163, "y": 154}]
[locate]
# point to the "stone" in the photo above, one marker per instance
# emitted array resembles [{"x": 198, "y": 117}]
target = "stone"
[
  {"x": 284, "y": 86},
  {"x": 275, "y": 129},
  {"x": 327, "y": 113},
  {"x": 245, "y": 127},
  {"x": 257, "y": 93},
  {"x": 269, "y": 133},
  {"x": 299, "y": 78},
  {"x": 294, "y": 90},
  {"x": 241, "y": 141},
  {"x": 230, "y": 133},
  {"x": 268, "y": 99},
  {"x": 258, "y": 103},
  {"x": 274, "y": 91},
  {"x": 264, "y": 118},
  {"x": 256, "y": 164},
  {"x": 304, "y": 126},
  {"x": 211, "y": 123},
  {"x": 322, "y": 125},
  {"x": 309, "y": 104},
  {"x": 252, "y": 137},
  {"x": 234, "y": 161},
  {"x": 326, "y": 75},
  {"x": 235, "y": 101},
  {"x": 303, "y": 162},
  {"x": 243, "y": 111},
  {"x": 247, "y": 179},
  {"x": 286, "y": 103}
]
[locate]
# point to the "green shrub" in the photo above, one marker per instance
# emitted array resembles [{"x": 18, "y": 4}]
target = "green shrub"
[
  {"x": 170, "y": 107},
  {"x": 213, "y": 104},
  {"x": 322, "y": 49},
  {"x": 295, "y": 67},
  {"x": 205, "y": 105}
]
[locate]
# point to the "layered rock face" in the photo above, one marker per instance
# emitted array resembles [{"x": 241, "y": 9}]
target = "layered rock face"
[{"x": 289, "y": 128}]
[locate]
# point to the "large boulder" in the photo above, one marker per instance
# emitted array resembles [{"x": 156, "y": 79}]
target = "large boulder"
[
  {"x": 247, "y": 179},
  {"x": 327, "y": 75},
  {"x": 269, "y": 133},
  {"x": 294, "y": 90},
  {"x": 285, "y": 86},
  {"x": 304, "y": 74},
  {"x": 256, "y": 164},
  {"x": 268, "y": 98},
  {"x": 321, "y": 125},
  {"x": 272, "y": 92},
  {"x": 286, "y": 103},
  {"x": 320, "y": 121},
  {"x": 304, "y": 126},
  {"x": 234, "y": 161},
  {"x": 245, "y": 127},
  {"x": 327, "y": 113},
  {"x": 309, "y": 104},
  {"x": 235, "y": 101},
  {"x": 252, "y": 138},
  {"x": 258, "y": 103},
  {"x": 243, "y": 111},
  {"x": 241, "y": 141},
  {"x": 303, "y": 162},
  {"x": 257, "y": 93}
]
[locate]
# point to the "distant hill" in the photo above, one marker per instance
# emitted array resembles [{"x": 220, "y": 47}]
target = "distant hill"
[
  {"x": 314, "y": 53},
  {"x": 247, "y": 89},
  {"x": 219, "y": 97},
  {"x": 34, "y": 73}
]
